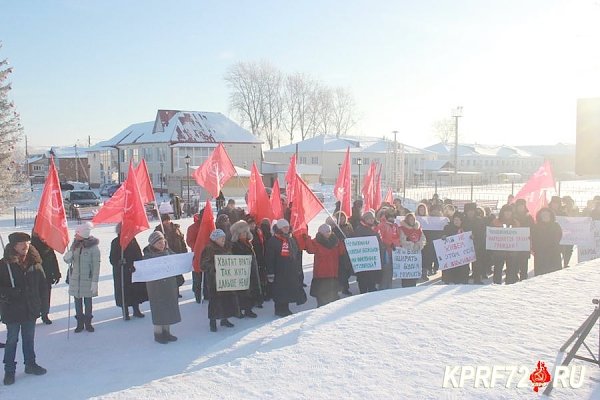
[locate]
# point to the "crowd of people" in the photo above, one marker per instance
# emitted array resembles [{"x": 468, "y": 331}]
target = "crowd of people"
[{"x": 29, "y": 267}]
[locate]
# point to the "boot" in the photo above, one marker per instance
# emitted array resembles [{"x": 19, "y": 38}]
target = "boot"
[
  {"x": 46, "y": 320},
  {"x": 160, "y": 338},
  {"x": 127, "y": 318},
  {"x": 225, "y": 322},
  {"x": 213, "y": 325},
  {"x": 137, "y": 313},
  {"x": 250, "y": 314},
  {"x": 35, "y": 369},
  {"x": 88, "y": 324},
  {"x": 79, "y": 327},
  {"x": 167, "y": 335},
  {"x": 9, "y": 378}
]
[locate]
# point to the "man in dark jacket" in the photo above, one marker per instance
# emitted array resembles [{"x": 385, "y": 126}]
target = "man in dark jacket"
[
  {"x": 50, "y": 266},
  {"x": 24, "y": 294},
  {"x": 476, "y": 226}
]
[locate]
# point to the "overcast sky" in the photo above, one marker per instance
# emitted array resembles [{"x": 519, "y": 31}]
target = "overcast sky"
[{"x": 516, "y": 67}]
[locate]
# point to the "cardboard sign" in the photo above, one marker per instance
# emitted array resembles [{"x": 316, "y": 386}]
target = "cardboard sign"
[
  {"x": 233, "y": 272},
  {"x": 407, "y": 264},
  {"x": 575, "y": 230},
  {"x": 433, "y": 223},
  {"x": 364, "y": 253},
  {"x": 153, "y": 269},
  {"x": 455, "y": 250},
  {"x": 591, "y": 250},
  {"x": 508, "y": 239}
]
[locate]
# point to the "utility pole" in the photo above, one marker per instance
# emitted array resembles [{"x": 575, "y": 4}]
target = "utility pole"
[
  {"x": 457, "y": 113},
  {"x": 395, "y": 175}
]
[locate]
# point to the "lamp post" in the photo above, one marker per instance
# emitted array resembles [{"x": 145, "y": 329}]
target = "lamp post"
[
  {"x": 359, "y": 163},
  {"x": 456, "y": 113},
  {"x": 187, "y": 164},
  {"x": 162, "y": 165}
]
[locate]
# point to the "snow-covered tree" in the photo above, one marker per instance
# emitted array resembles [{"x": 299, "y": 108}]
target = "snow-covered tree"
[{"x": 11, "y": 132}]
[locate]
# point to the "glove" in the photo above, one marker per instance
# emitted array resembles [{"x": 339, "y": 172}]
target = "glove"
[
  {"x": 271, "y": 278},
  {"x": 56, "y": 279},
  {"x": 94, "y": 288},
  {"x": 132, "y": 269}
]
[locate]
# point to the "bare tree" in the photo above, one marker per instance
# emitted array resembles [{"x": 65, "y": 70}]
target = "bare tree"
[
  {"x": 245, "y": 96},
  {"x": 271, "y": 106},
  {"x": 444, "y": 130},
  {"x": 343, "y": 110},
  {"x": 323, "y": 108},
  {"x": 306, "y": 106},
  {"x": 290, "y": 112}
]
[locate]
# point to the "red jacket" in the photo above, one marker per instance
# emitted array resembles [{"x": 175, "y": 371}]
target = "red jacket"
[
  {"x": 390, "y": 234},
  {"x": 326, "y": 259}
]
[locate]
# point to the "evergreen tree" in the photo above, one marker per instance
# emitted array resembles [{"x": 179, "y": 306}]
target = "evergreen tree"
[{"x": 11, "y": 132}]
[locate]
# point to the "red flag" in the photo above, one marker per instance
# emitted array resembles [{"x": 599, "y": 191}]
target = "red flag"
[
  {"x": 215, "y": 171},
  {"x": 377, "y": 189},
  {"x": 343, "y": 189},
  {"x": 533, "y": 191},
  {"x": 143, "y": 179},
  {"x": 51, "y": 221},
  {"x": 135, "y": 219},
  {"x": 276, "y": 206},
  {"x": 305, "y": 206},
  {"x": 290, "y": 179},
  {"x": 259, "y": 205},
  {"x": 207, "y": 225},
  {"x": 368, "y": 188},
  {"x": 389, "y": 197}
]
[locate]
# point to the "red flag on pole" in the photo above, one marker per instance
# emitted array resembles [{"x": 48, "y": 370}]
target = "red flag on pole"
[
  {"x": 135, "y": 219},
  {"x": 534, "y": 191},
  {"x": 276, "y": 206},
  {"x": 215, "y": 171},
  {"x": 305, "y": 206},
  {"x": 377, "y": 189},
  {"x": 290, "y": 179},
  {"x": 51, "y": 221},
  {"x": 207, "y": 225},
  {"x": 143, "y": 179},
  {"x": 368, "y": 188},
  {"x": 259, "y": 205},
  {"x": 343, "y": 186},
  {"x": 389, "y": 197}
]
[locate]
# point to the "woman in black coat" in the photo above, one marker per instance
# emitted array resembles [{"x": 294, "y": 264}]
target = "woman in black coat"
[
  {"x": 545, "y": 243},
  {"x": 135, "y": 293},
  {"x": 51, "y": 270},
  {"x": 342, "y": 229},
  {"x": 241, "y": 244},
  {"x": 367, "y": 280},
  {"x": 458, "y": 274}
]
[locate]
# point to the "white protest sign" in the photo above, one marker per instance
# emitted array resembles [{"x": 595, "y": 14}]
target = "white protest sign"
[
  {"x": 407, "y": 264},
  {"x": 162, "y": 267},
  {"x": 575, "y": 230},
  {"x": 233, "y": 272},
  {"x": 508, "y": 239},
  {"x": 433, "y": 223},
  {"x": 455, "y": 250},
  {"x": 364, "y": 253},
  {"x": 590, "y": 251}
]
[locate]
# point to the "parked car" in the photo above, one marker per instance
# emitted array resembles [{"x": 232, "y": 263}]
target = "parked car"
[
  {"x": 319, "y": 195},
  {"x": 81, "y": 203},
  {"x": 66, "y": 186},
  {"x": 112, "y": 189},
  {"x": 109, "y": 189}
]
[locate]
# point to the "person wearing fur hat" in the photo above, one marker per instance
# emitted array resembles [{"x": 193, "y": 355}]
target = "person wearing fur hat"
[
  {"x": 390, "y": 238},
  {"x": 342, "y": 229},
  {"x": 354, "y": 219},
  {"x": 525, "y": 219},
  {"x": 458, "y": 274},
  {"x": 411, "y": 238},
  {"x": 476, "y": 225},
  {"x": 284, "y": 269},
  {"x": 135, "y": 292},
  {"x": 221, "y": 305},
  {"x": 545, "y": 243},
  {"x": 164, "y": 302},
  {"x": 241, "y": 244},
  {"x": 367, "y": 280},
  {"x": 51, "y": 269},
  {"x": 83, "y": 258},
  {"x": 505, "y": 219},
  {"x": 23, "y": 295},
  {"x": 175, "y": 240},
  {"x": 327, "y": 249}
]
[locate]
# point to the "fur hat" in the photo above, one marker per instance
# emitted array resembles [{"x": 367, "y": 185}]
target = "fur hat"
[
  {"x": 155, "y": 237},
  {"x": 282, "y": 223},
  {"x": 216, "y": 234},
  {"x": 323, "y": 229},
  {"x": 84, "y": 230},
  {"x": 238, "y": 228},
  {"x": 18, "y": 237},
  {"x": 368, "y": 214}
]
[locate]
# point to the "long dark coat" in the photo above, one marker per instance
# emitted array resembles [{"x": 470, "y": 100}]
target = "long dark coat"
[
  {"x": 163, "y": 295},
  {"x": 288, "y": 284},
  {"x": 458, "y": 274},
  {"x": 48, "y": 256},
  {"x": 135, "y": 293},
  {"x": 253, "y": 295},
  {"x": 221, "y": 304},
  {"x": 368, "y": 279},
  {"x": 545, "y": 238}
]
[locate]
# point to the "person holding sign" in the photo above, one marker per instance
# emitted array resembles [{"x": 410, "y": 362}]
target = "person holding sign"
[
  {"x": 327, "y": 249},
  {"x": 545, "y": 243},
  {"x": 505, "y": 219},
  {"x": 411, "y": 238},
  {"x": 241, "y": 244},
  {"x": 343, "y": 230},
  {"x": 476, "y": 225},
  {"x": 390, "y": 238},
  {"x": 525, "y": 221},
  {"x": 221, "y": 305},
  {"x": 458, "y": 274},
  {"x": 367, "y": 280}
]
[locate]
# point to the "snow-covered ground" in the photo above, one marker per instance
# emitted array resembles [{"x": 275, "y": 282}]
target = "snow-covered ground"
[{"x": 390, "y": 344}]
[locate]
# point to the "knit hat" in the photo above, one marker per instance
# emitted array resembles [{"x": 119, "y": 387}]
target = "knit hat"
[
  {"x": 18, "y": 237},
  {"x": 155, "y": 237},
  {"x": 282, "y": 223},
  {"x": 165, "y": 217},
  {"x": 323, "y": 229},
  {"x": 217, "y": 233},
  {"x": 84, "y": 230}
]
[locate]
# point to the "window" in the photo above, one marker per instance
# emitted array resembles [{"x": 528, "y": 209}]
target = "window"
[
  {"x": 366, "y": 161},
  {"x": 302, "y": 160},
  {"x": 123, "y": 156},
  {"x": 315, "y": 160},
  {"x": 148, "y": 155},
  {"x": 135, "y": 155},
  {"x": 37, "y": 168},
  {"x": 197, "y": 155}
]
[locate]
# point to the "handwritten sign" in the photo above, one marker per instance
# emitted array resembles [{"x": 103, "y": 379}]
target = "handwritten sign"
[
  {"x": 508, "y": 239},
  {"x": 455, "y": 250},
  {"x": 233, "y": 272},
  {"x": 162, "y": 267},
  {"x": 407, "y": 264},
  {"x": 433, "y": 223},
  {"x": 364, "y": 253},
  {"x": 575, "y": 230},
  {"x": 591, "y": 250}
]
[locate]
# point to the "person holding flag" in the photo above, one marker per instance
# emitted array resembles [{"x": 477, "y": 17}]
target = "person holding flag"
[{"x": 51, "y": 269}]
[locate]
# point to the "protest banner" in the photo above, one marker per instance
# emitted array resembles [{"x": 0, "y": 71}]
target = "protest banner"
[
  {"x": 162, "y": 267},
  {"x": 507, "y": 239},
  {"x": 233, "y": 272},
  {"x": 364, "y": 253},
  {"x": 455, "y": 250},
  {"x": 575, "y": 230},
  {"x": 433, "y": 223},
  {"x": 407, "y": 264},
  {"x": 591, "y": 250}
]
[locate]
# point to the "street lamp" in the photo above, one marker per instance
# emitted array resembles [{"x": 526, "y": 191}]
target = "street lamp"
[
  {"x": 162, "y": 165},
  {"x": 187, "y": 164},
  {"x": 359, "y": 163},
  {"x": 456, "y": 113}
]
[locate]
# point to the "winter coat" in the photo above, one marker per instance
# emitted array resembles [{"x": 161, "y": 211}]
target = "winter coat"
[
  {"x": 458, "y": 274},
  {"x": 48, "y": 256},
  {"x": 84, "y": 269},
  {"x": 174, "y": 237},
  {"x": 221, "y": 304},
  {"x": 327, "y": 255},
  {"x": 476, "y": 226},
  {"x": 163, "y": 293},
  {"x": 253, "y": 295},
  {"x": 282, "y": 258},
  {"x": 23, "y": 301},
  {"x": 135, "y": 293},
  {"x": 369, "y": 278},
  {"x": 390, "y": 234},
  {"x": 412, "y": 237},
  {"x": 545, "y": 244}
]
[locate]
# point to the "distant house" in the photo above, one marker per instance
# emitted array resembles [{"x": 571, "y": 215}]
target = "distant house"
[
  {"x": 71, "y": 164},
  {"x": 37, "y": 164},
  {"x": 166, "y": 142}
]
